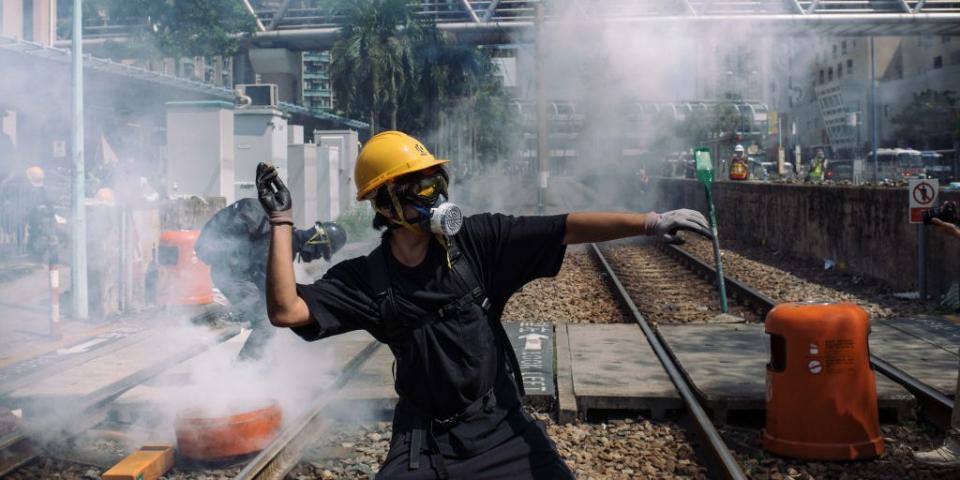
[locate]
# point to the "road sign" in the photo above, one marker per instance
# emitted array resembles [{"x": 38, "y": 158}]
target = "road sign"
[
  {"x": 533, "y": 344},
  {"x": 923, "y": 195}
]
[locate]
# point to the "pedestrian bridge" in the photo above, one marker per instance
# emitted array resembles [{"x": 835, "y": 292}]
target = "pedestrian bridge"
[{"x": 306, "y": 24}]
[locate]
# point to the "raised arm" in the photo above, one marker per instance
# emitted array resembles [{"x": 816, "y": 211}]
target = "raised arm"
[
  {"x": 585, "y": 227},
  {"x": 284, "y": 307}
]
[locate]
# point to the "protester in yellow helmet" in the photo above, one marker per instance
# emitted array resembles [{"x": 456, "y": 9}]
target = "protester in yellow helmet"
[{"x": 434, "y": 291}]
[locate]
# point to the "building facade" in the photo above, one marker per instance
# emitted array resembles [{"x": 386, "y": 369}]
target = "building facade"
[{"x": 316, "y": 91}]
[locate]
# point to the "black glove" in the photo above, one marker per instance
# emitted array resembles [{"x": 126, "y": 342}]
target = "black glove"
[{"x": 274, "y": 195}]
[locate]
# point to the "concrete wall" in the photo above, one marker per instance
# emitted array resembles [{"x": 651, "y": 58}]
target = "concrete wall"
[
  {"x": 302, "y": 165},
  {"x": 200, "y": 148},
  {"x": 865, "y": 228},
  {"x": 260, "y": 135}
]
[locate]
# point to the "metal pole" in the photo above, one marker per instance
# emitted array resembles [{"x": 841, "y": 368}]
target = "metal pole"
[
  {"x": 874, "y": 118},
  {"x": 78, "y": 267},
  {"x": 922, "y": 262},
  {"x": 542, "y": 148}
]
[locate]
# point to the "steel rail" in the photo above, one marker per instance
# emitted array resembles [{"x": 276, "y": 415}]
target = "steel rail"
[
  {"x": 937, "y": 405},
  {"x": 718, "y": 448},
  {"x": 16, "y": 449},
  {"x": 278, "y": 458}
]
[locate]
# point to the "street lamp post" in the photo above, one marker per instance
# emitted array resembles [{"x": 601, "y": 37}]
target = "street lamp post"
[{"x": 78, "y": 267}]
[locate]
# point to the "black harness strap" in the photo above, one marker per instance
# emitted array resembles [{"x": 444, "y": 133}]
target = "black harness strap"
[{"x": 380, "y": 280}]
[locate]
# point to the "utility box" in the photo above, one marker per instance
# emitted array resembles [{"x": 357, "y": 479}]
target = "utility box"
[
  {"x": 302, "y": 165},
  {"x": 821, "y": 391},
  {"x": 200, "y": 148},
  {"x": 328, "y": 183},
  {"x": 260, "y": 135},
  {"x": 347, "y": 143}
]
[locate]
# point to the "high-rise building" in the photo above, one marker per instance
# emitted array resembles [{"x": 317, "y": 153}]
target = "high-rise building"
[
  {"x": 316, "y": 91},
  {"x": 827, "y": 91}
]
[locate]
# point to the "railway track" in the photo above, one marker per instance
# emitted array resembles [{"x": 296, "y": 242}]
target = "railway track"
[
  {"x": 935, "y": 405},
  {"x": 724, "y": 463}
]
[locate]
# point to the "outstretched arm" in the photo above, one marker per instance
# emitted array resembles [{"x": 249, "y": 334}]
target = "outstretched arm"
[{"x": 585, "y": 227}]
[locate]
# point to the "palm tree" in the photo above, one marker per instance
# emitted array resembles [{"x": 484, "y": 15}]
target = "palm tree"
[{"x": 373, "y": 60}]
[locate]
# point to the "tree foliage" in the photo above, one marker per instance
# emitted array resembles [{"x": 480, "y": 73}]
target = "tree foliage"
[
  {"x": 722, "y": 123},
  {"x": 930, "y": 121},
  {"x": 174, "y": 28},
  {"x": 372, "y": 60},
  {"x": 401, "y": 71}
]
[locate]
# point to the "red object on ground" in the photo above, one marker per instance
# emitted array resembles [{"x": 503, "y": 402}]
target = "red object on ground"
[
  {"x": 203, "y": 437},
  {"x": 183, "y": 278},
  {"x": 821, "y": 390}
]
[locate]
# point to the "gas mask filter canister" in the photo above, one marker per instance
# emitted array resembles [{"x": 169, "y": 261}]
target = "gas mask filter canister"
[{"x": 446, "y": 219}]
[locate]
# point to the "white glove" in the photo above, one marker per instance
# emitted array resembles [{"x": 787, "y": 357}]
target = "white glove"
[{"x": 683, "y": 219}]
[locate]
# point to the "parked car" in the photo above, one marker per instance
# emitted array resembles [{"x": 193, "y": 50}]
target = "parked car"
[
  {"x": 838, "y": 170},
  {"x": 768, "y": 170}
]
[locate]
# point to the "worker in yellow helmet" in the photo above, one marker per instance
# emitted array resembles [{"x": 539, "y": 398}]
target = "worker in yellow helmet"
[{"x": 434, "y": 291}]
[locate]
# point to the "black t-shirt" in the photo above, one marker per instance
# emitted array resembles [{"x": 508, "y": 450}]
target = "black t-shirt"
[{"x": 443, "y": 366}]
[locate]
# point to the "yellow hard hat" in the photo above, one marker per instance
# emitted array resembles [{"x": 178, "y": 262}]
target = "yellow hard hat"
[
  {"x": 35, "y": 176},
  {"x": 387, "y": 156}
]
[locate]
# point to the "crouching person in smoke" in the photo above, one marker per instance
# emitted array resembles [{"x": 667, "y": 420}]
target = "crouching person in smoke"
[
  {"x": 434, "y": 291},
  {"x": 235, "y": 241}
]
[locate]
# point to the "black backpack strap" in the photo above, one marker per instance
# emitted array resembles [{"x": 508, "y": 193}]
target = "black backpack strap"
[
  {"x": 377, "y": 271},
  {"x": 462, "y": 268}
]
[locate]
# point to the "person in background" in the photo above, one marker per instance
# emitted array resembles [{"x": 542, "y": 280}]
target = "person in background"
[
  {"x": 433, "y": 291},
  {"x": 738, "y": 168},
  {"x": 234, "y": 242},
  {"x": 947, "y": 454},
  {"x": 818, "y": 165},
  {"x": 40, "y": 223}
]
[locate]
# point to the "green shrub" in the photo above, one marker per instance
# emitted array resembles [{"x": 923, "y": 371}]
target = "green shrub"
[{"x": 357, "y": 221}]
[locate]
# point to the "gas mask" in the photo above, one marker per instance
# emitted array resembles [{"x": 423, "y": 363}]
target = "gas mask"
[{"x": 428, "y": 196}]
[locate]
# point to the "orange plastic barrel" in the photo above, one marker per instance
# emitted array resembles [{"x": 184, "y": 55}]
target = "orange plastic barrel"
[
  {"x": 201, "y": 436},
  {"x": 183, "y": 278},
  {"x": 821, "y": 390}
]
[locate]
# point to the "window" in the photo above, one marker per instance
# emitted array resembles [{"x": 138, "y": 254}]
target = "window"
[
  {"x": 839, "y": 70},
  {"x": 849, "y": 66},
  {"x": 830, "y": 74},
  {"x": 834, "y": 50},
  {"x": 938, "y": 61},
  {"x": 843, "y": 47},
  {"x": 821, "y": 77}
]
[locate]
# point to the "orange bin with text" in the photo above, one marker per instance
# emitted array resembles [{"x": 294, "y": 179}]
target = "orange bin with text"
[
  {"x": 183, "y": 278},
  {"x": 821, "y": 390}
]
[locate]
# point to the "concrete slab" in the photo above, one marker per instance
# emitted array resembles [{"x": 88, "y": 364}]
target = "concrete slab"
[
  {"x": 566, "y": 397},
  {"x": 727, "y": 364},
  {"x": 144, "y": 404},
  {"x": 371, "y": 389},
  {"x": 614, "y": 368},
  {"x": 74, "y": 388},
  {"x": 935, "y": 330},
  {"x": 936, "y": 366}
]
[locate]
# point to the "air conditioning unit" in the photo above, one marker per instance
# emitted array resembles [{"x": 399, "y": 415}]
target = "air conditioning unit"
[{"x": 261, "y": 95}]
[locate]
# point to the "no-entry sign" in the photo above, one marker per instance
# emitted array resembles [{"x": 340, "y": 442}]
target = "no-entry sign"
[{"x": 923, "y": 195}]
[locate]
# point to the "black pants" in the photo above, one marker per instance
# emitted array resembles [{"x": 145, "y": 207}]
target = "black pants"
[
  {"x": 529, "y": 454},
  {"x": 247, "y": 295}
]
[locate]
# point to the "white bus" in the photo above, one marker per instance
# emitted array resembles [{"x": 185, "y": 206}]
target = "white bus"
[{"x": 895, "y": 164}]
